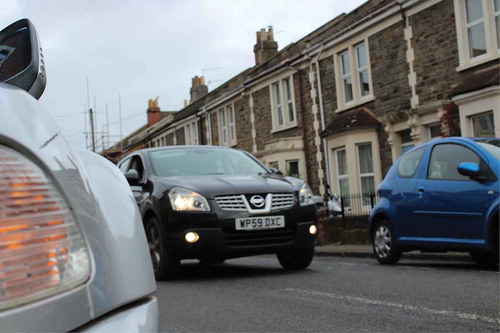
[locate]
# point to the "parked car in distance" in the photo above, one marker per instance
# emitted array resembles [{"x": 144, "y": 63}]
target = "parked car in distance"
[
  {"x": 440, "y": 196},
  {"x": 214, "y": 203},
  {"x": 73, "y": 252}
]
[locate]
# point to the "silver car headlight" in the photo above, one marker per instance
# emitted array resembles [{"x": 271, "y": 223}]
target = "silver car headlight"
[
  {"x": 42, "y": 251},
  {"x": 306, "y": 195},
  {"x": 183, "y": 199}
]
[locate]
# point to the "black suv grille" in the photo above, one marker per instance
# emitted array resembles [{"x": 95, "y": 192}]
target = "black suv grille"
[{"x": 258, "y": 238}]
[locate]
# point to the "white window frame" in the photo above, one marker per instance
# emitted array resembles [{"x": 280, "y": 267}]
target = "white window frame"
[
  {"x": 430, "y": 131},
  {"x": 274, "y": 164},
  {"x": 283, "y": 101},
  {"x": 227, "y": 126},
  {"x": 346, "y": 76},
  {"x": 343, "y": 176},
  {"x": 354, "y": 75},
  {"x": 478, "y": 115},
  {"x": 362, "y": 69},
  {"x": 191, "y": 133},
  {"x": 366, "y": 174},
  {"x": 488, "y": 20},
  {"x": 287, "y": 166}
]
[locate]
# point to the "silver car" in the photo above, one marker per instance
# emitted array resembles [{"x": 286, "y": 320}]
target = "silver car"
[{"x": 73, "y": 251}]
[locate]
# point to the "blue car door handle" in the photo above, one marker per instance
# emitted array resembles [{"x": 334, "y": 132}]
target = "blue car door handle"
[{"x": 421, "y": 189}]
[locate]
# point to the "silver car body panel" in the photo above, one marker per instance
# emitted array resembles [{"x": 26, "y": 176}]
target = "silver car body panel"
[
  {"x": 137, "y": 318},
  {"x": 106, "y": 212}
]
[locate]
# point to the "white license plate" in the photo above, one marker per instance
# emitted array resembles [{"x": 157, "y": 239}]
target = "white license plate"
[{"x": 260, "y": 223}]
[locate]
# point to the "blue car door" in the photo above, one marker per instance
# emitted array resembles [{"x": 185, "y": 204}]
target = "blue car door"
[{"x": 451, "y": 207}]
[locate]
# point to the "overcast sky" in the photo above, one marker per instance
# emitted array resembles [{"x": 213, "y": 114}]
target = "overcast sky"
[{"x": 151, "y": 48}]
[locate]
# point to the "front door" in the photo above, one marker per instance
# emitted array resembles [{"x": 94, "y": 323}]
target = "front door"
[{"x": 451, "y": 207}]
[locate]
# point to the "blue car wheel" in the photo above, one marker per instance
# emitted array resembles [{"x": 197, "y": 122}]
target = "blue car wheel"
[{"x": 384, "y": 247}]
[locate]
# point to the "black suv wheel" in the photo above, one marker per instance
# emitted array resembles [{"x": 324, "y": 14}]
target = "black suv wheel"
[{"x": 165, "y": 265}]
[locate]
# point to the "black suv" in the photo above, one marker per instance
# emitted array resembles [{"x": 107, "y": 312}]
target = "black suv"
[{"x": 214, "y": 203}]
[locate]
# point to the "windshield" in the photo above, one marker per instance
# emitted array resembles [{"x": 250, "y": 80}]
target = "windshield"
[
  {"x": 198, "y": 162},
  {"x": 492, "y": 146}
]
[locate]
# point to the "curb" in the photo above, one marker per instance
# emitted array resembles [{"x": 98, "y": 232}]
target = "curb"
[{"x": 454, "y": 256}]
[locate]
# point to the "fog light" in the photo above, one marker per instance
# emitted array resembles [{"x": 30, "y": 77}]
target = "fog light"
[
  {"x": 192, "y": 237},
  {"x": 313, "y": 230}
]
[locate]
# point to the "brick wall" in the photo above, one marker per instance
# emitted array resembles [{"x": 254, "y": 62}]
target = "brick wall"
[
  {"x": 306, "y": 120},
  {"x": 243, "y": 124},
  {"x": 262, "y": 113},
  {"x": 180, "y": 136},
  {"x": 329, "y": 91},
  {"x": 436, "y": 55},
  {"x": 391, "y": 88},
  {"x": 214, "y": 123}
]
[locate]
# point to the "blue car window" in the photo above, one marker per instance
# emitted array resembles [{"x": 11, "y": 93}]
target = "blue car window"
[
  {"x": 409, "y": 163},
  {"x": 444, "y": 161}
]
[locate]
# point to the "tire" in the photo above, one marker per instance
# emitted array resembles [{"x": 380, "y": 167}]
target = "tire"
[
  {"x": 484, "y": 259},
  {"x": 296, "y": 259},
  {"x": 384, "y": 246},
  {"x": 165, "y": 265}
]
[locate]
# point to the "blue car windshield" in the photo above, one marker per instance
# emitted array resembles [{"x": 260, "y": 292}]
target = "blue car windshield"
[
  {"x": 199, "y": 162},
  {"x": 492, "y": 146}
]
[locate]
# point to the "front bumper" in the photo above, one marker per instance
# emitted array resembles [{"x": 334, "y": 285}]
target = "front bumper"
[
  {"x": 219, "y": 243},
  {"x": 141, "y": 316}
]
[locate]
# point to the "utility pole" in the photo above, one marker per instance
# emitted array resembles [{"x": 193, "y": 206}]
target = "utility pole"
[
  {"x": 86, "y": 128},
  {"x": 91, "y": 118},
  {"x": 92, "y": 129},
  {"x": 120, "y": 111},
  {"x": 95, "y": 121},
  {"x": 107, "y": 124}
]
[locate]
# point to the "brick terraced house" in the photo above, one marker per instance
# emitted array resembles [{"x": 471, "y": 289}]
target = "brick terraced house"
[{"x": 340, "y": 105}]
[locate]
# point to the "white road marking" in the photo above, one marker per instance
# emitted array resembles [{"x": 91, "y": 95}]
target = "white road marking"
[{"x": 406, "y": 307}]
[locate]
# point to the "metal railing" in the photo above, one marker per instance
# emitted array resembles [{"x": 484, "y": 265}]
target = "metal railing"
[{"x": 357, "y": 206}]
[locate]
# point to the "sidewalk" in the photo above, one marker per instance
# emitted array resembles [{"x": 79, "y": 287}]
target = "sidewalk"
[{"x": 366, "y": 251}]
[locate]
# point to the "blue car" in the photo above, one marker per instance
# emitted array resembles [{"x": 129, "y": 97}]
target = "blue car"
[{"x": 440, "y": 196}]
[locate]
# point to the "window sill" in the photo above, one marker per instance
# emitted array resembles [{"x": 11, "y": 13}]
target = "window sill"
[
  {"x": 228, "y": 144},
  {"x": 284, "y": 128},
  {"x": 477, "y": 62},
  {"x": 351, "y": 105}
]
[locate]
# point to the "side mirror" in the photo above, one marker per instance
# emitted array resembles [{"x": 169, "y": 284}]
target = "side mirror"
[
  {"x": 21, "y": 58},
  {"x": 132, "y": 177},
  {"x": 276, "y": 171},
  {"x": 469, "y": 169}
]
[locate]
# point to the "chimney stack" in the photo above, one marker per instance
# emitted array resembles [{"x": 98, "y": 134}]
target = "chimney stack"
[
  {"x": 154, "y": 113},
  {"x": 198, "y": 88},
  {"x": 266, "y": 47}
]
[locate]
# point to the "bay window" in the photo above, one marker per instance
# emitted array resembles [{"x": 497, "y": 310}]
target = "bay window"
[{"x": 366, "y": 171}]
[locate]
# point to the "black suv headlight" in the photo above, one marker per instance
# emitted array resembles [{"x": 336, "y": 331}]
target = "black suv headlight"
[{"x": 186, "y": 200}]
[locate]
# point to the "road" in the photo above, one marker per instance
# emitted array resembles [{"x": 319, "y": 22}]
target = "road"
[{"x": 334, "y": 295}]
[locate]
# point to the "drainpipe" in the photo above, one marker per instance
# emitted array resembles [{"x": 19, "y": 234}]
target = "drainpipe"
[
  {"x": 199, "y": 115},
  {"x": 322, "y": 115},
  {"x": 302, "y": 109},
  {"x": 205, "y": 113}
]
